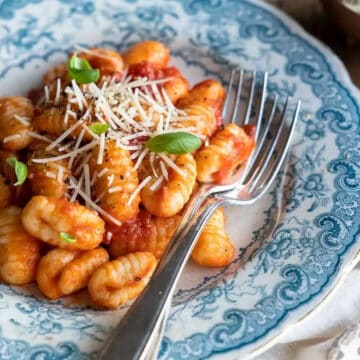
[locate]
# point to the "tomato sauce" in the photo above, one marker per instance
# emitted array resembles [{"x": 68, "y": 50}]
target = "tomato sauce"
[
  {"x": 241, "y": 151},
  {"x": 137, "y": 228}
]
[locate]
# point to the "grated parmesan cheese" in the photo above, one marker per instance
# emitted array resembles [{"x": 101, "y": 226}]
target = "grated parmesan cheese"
[
  {"x": 140, "y": 159},
  {"x": 63, "y": 136},
  {"x": 50, "y": 174},
  {"x": 46, "y": 92},
  {"x": 164, "y": 171},
  {"x": 110, "y": 179},
  {"x": 58, "y": 91},
  {"x": 87, "y": 182},
  {"x": 102, "y": 172},
  {"x": 156, "y": 185},
  {"x": 68, "y": 155},
  {"x": 60, "y": 173},
  {"x": 11, "y": 138},
  {"x": 77, "y": 145},
  {"x": 39, "y": 137},
  {"x": 171, "y": 164},
  {"x": 138, "y": 189},
  {"x": 114, "y": 189},
  {"x": 101, "y": 149},
  {"x": 135, "y": 110},
  {"x": 109, "y": 236},
  {"x": 97, "y": 208},
  {"x": 77, "y": 188},
  {"x": 22, "y": 120}
]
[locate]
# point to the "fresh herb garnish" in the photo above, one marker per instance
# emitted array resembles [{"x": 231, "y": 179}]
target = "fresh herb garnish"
[
  {"x": 174, "y": 143},
  {"x": 99, "y": 128},
  {"x": 81, "y": 71},
  {"x": 21, "y": 170},
  {"x": 67, "y": 238}
]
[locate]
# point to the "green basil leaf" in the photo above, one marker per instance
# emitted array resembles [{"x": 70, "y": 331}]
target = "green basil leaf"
[
  {"x": 174, "y": 143},
  {"x": 21, "y": 170},
  {"x": 77, "y": 63},
  {"x": 67, "y": 238},
  {"x": 81, "y": 71},
  {"x": 99, "y": 128}
]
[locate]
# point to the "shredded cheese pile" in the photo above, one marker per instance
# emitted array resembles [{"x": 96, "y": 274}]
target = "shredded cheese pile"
[{"x": 135, "y": 110}]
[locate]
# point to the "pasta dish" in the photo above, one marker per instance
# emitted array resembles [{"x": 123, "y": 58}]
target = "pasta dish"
[{"x": 96, "y": 168}]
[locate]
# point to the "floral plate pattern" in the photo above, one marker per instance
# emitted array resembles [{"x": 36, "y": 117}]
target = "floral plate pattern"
[{"x": 292, "y": 249}]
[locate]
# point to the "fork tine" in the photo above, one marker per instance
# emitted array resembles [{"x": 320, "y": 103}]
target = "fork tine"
[
  {"x": 238, "y": 96},
  {"x": 250, "y": 168},
  {"x": 260, "y": 144},
  {"x": 228, "y": 92},
  {"x": 264, "y": 154},
  {"x": 251, "y": 98},
  {"x": 262, "y": 105},
  {"x": 271, "y": 169}
]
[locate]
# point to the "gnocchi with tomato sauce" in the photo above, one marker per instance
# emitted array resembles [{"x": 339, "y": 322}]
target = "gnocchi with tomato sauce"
[
  {"x": 214, "y": 248},
  {"x": 121, "y": 280},
  {"x": 62, "y": 272},
  {"x": 98, "y": 165},
  {"x": 19, "y": 251}
]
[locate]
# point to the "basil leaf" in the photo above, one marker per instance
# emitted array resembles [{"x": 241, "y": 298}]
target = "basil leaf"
[
  {"x": 67, "y": 238},
  {"x": 81, "y": 71},
  {"x": 21, "y": 170},
  {"x": 99, "y": 128},
  {"x": 78, "y": 63},
  {"x": 174, "y": 143}
]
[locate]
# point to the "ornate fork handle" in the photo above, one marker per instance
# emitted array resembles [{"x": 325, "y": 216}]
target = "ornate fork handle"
[{"x": 130, "y": 340}]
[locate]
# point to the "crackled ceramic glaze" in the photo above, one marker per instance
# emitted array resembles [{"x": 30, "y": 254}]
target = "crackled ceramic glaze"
[{"x": 291, "y": 249}]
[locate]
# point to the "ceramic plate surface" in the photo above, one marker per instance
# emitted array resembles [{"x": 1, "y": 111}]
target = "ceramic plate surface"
[{"x": 291, "y": 249}]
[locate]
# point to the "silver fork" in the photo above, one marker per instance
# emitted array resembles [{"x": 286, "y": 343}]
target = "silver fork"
[{"x": 132, "y": 337}]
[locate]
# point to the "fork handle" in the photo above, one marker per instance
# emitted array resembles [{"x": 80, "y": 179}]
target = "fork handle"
[{"x": 130, "y": 340}]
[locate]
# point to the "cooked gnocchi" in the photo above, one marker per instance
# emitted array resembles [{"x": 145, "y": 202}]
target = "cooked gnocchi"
[
  {"x": 62, "y": 272},
  {"x": 121, "y": 280},
  {"x": 96, "y": 169},
  {"x": 214, "y": 247},
  {"x": 49, "y": 218},
  {"x": 146, "y": 232},
  {"x": 19, "y": 251}
]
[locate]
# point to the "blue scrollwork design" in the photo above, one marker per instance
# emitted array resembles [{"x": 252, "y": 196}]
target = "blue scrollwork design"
[
  {"x": 294, "y": 287},
  {"x": 349, "y": 178},
  {"x": 9, "y": 7},
  {"x": 331, "y": 237}
]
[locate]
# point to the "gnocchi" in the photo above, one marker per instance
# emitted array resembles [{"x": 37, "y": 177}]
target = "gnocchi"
[
  {"x": 115, "y": 186},
  {"x": 47, "y": 179},
  {"x": 62, "y": 272},
  {"x": 227, "y": 150},
  {"x": 152, "y": 52},
  {"x": 170, "y": 198},
  {"x": 19, "y": 252},
  {"x": 47, "y": 218},
  {"x": 214, "y": 247},
  {"x": 144, "y": 233},
  {"x": 108, "y": 62},
  {"x": 14, "y": 133},
  {"x": 121, "y": 280}
]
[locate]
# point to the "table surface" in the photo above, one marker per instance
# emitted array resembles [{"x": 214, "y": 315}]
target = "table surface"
[{"x": 310, "y": 14}]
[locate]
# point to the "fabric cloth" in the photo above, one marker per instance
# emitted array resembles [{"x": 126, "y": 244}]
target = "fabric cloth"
[{"x": 331, "y": 332}]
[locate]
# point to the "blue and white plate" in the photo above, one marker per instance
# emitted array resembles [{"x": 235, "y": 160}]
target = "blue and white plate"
[{"x": 292, "y": 248}]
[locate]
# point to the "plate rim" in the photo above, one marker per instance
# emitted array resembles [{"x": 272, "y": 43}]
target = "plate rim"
[{"x": 336, "y": 67}]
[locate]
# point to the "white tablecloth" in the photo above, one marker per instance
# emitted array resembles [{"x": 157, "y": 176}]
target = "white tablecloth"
[{"x": 332, "y": 332}]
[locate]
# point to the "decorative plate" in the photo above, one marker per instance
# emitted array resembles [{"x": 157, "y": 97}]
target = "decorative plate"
[{"x": 291, "y": 248}]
